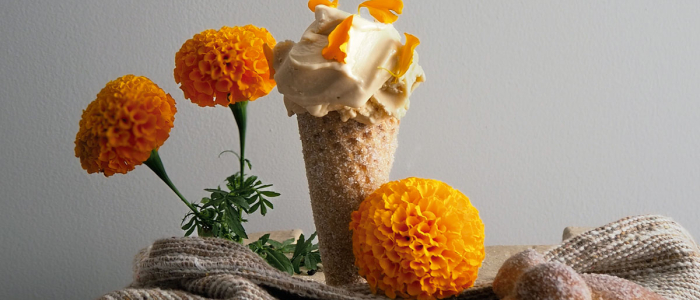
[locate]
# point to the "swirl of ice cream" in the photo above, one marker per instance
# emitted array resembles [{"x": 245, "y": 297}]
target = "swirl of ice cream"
[{"x": 361, "y": 88}]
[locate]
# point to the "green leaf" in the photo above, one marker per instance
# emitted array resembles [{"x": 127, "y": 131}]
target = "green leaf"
[
  {"x": 189, "y": 232},
  {"x": 287, "y": 242},
  {"x": 186, "y": 226},
  {"x": 296, "y": 262},
  {"x": 239, "y": 201},
  {"x": 230, "y": 151},
  {"x": 299, "y": 249},
  {"x": 217, "y": 192},
  {"x": 209, "y": 204},
  {"x": 233, "y": 179},
  {"x": 252, "y": 200},
  {"x": 268, "y": 203},
  {"x": 207, "y": 214},
  {"x": 234, "y": 224},
  {"x": 189, "y": 224},
  {"x": 216, "y": 229},
  {"x": 270, "y": 193},
  {"x": 311, "y": 261},
  {"x": 254, "y": 208},
  {"x": 312, "y": 237},
  {"x": 250, "y": 180},
  {"x": 275, "y": 244},
  {"x": 250, "y": 166},
  {"x": 264, "y": 239},
  {"x": 245, "y": 193},
  {"x": 253, "y": 247},
  {"x": 289, "y": 249},
  {"x": 263, "y": 210},
  {"x": 279, "y": 261}
]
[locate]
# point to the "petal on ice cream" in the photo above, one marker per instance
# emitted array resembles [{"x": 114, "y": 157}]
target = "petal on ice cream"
[
  {"x": 382, "y": 9},
  {"x": 406, "y": 56},
  {"x": 337, "y": 48},
  {"x": 314, "y": 3}
]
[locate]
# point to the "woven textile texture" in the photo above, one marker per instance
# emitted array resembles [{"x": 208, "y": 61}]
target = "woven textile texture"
[{"x": 653, "y": 251}]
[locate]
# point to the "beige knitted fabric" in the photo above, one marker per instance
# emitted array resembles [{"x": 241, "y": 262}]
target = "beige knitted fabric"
[{"x": 652, "y": 251}]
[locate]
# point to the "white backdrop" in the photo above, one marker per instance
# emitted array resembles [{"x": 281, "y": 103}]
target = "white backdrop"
[{"x": 544, "y": 113}]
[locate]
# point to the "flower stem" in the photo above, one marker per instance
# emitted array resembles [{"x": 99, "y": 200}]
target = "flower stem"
[
  {"x": 240, "y": 114},
  {"x": 156, "y": 165}
]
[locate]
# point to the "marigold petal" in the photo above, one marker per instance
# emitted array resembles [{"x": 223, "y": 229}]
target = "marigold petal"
[
  {"x": 196, "y": 75},
  {"x": 406, "y": 55},
  {"x": 260, "y": 66},
  {"x": 147, "y": 128},
  {"x": 382, "y": 9},
  {"x": 269, "y": 56},
  {"x": 138, "y": 116},
  {"x": 203, "y": 87},
  {"x": 338, "y": 41},
  {"x": 190, "y": 59},
  {"x": 216, "y": 73},
  {"x": 314, "y": 3},
  {"x": 223, "y": 85}
]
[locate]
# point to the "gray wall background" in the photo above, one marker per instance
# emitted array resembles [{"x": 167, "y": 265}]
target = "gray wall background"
[{"x": 544, "y": 113}]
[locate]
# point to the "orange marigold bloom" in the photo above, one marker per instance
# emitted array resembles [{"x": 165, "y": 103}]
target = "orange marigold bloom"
[
  {"x": 417, "y": 238},
  {"x": 215, "y": 63},
  {"x": 130, "y": 117}
]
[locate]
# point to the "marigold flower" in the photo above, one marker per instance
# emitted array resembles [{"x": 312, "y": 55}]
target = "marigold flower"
[
  {"x": 417, "y": 238},
  {"x": 230, "y": 61},
  {"x": 130, "y": 117}
]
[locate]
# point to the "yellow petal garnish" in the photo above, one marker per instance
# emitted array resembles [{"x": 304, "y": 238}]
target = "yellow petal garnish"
[
  {"x": 405, "y": 56},
  {"x": 338, "y": 41},
  {"x": 314, "y": 3},
  {"x": 381, "y": 9},
  {"x": 269, "y": 56}
]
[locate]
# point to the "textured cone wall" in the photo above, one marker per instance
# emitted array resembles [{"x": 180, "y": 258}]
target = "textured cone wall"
[{"x": 345, "y": 162}]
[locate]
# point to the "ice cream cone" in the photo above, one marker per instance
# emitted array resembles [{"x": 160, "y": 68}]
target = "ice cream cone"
[{"x": 345, "y": 162}]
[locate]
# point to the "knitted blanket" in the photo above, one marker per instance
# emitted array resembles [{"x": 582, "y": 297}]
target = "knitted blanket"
[{"x": 653, "y": 251}]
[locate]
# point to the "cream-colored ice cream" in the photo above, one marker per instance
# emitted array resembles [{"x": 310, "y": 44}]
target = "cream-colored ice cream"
[{"x": 360, "y": 89}]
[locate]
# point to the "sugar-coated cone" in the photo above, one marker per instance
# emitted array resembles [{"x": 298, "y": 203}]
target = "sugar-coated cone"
[{"x": 345, "y": 162}]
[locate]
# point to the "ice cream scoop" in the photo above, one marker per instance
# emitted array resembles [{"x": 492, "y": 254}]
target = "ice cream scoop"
[{"x": 362, "y": 88}]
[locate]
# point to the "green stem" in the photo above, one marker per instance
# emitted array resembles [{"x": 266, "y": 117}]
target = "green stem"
[
  {"x": 156, "y": 165},
  {"x": 240, "y": 114}
]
